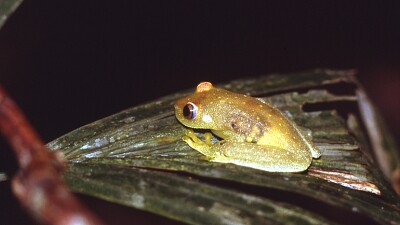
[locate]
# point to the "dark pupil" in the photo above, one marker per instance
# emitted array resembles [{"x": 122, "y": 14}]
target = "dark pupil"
[{"x": 188, "y": 111}]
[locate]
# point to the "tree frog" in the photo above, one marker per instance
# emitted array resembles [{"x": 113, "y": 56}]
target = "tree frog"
[{"x": 254, "y": 133}]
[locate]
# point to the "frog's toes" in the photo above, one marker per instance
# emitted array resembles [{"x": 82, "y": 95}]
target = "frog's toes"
[
  {"x": 189, "y": 132},
  {"x": 187, "y": 139},
  {"x": 207, "y": 137},
  {"x": 207, "y": 158}
]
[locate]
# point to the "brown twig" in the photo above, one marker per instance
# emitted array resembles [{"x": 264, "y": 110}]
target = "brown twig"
[{"x": 38, "y": 185}]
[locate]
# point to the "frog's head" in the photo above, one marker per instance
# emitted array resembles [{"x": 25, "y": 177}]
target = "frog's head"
[{"x": 194, "y": 110}]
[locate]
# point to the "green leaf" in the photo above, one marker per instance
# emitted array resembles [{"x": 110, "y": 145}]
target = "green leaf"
[
  {"x": 7, "y": 7},
  {"x": 3, "y": 177},
  {"x": 137, "y": 158}
]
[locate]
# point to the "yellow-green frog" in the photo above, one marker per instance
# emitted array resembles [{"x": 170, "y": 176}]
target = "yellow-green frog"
[{"x": 255, "y": 134}]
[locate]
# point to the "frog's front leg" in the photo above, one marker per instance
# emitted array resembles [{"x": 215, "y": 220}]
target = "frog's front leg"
[{"x": 204, "y": 147}]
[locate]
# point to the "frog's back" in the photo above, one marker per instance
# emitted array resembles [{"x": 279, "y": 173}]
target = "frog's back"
[
  {"x": 285, "y": 133},
  {"x": 260, "y": 122}
]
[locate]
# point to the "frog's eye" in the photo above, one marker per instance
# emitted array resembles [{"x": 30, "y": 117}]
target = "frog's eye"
[{"x": 190, "y": 111}]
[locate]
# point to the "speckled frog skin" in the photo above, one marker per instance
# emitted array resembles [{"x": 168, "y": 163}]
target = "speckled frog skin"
[{"x": 255, "y": 134}]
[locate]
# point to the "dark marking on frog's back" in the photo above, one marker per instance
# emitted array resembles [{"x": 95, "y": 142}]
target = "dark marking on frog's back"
[{"x": 247, "y": 126}]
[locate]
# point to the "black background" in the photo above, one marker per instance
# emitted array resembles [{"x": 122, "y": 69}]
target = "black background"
[{"x": 68, "y": 63}]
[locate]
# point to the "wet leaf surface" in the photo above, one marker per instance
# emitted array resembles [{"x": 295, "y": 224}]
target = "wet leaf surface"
[{"x": 137, "y": 158}]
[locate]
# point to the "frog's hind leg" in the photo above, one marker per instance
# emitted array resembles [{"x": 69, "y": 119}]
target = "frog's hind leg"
[{"x": 263, "y": 157}]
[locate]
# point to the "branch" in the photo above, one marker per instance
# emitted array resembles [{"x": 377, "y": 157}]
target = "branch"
[{"x": 37, "y": 184}]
